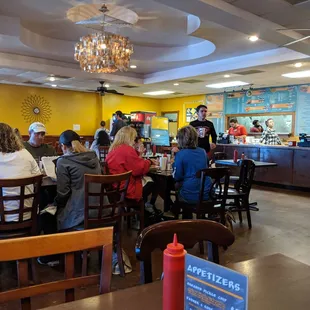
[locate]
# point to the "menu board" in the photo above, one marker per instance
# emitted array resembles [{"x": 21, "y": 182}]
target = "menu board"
[
  {"x": 211, "y": 286},
  {"x": 158, "y": 122},
  {"x": 265, "y": 100},
  {"x": 215, "y": 103},
  {"x": 303, "y": 110}
]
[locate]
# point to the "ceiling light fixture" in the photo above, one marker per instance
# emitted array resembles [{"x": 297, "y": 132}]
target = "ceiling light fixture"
[
  {"x": 159, "y": 93},
  {"x": 103, "y": 52},
  {"x": 133, "y": 67},
  {"x": 54, "y": 85},
  {"x": 226, "y": 76},
  {"x": 296, "y": 75},
  {"x": 52, "y": 79},
  {"x": 176, "y": 84},
  {"x": 107, "y": 85},
  {"x": 227, "y": 84},
  {"x": 253, "y": 38},
  {"x": 298, "y": 65}
]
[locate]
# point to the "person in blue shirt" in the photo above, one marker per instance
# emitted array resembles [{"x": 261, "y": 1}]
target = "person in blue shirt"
[{"x": 188, "y": 161}]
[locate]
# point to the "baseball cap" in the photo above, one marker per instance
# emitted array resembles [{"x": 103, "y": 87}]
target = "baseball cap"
[
  {"x": 68, "y": 136},
  {"x": 37, "y": 127}
]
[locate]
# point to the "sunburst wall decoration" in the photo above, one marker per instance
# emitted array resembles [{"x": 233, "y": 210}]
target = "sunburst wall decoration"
[{"x": 36, "y": 109}]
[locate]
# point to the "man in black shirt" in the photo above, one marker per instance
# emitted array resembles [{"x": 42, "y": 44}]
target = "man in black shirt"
[
  {"x": 118, "y": 124},
  {"x": 204, "y": 129}
]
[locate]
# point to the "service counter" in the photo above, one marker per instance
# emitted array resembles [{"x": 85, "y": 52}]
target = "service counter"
[{"x": 293, "y": 163}]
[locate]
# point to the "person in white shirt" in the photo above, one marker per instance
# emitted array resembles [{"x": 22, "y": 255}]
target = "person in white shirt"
[{"x": 15, "y": 163}]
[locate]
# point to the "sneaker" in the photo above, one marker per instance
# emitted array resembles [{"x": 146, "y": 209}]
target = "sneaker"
[{"x": 46, "y": 262}]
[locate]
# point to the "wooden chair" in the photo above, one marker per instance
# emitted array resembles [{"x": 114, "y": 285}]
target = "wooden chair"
[
  {"x": 22, "y": 249},
  {"x": 189, "y": 233},
  {"x": 216, "y": 203},
  {"x": 21, "y": 227},
  {"x": 241, "y": 192},
  {"x": 106, "y": 207},
  {"x": 103, "y": 152}
]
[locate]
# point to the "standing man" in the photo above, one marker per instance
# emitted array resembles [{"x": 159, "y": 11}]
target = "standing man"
[
  {"x": 270, "y": 136},
  {"x": 118, "y": 124},
  {"x": 205, "y": 129},
  {"x": 35, "y": 145},
  {"x": 237, "y": 130}
]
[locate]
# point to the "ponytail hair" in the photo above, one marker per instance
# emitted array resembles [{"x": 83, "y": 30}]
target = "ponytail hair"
[{"x": 77, "y": 147}]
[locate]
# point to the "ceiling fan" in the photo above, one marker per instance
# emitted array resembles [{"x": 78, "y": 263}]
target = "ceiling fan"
[
  {"x": 102, "y": 90},
  {"x": 295, "y": 29}
]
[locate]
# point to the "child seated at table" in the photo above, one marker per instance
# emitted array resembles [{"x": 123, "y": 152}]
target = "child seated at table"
[{"x": 188, "y": 161}]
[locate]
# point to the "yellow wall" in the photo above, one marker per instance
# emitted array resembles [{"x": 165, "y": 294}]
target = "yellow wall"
[
  {"x": 180, "y": 104},
  {"x": 127, "y": 104},
  {"x": 85, "y": 109},
  {"x": 67, "y": 108}
]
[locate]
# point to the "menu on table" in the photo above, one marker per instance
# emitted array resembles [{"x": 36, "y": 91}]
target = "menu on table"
[{"x": 211, "y": 286}]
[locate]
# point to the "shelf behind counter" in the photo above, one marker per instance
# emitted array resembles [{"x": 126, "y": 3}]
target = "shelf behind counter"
[{"x": 293, "y": 162}]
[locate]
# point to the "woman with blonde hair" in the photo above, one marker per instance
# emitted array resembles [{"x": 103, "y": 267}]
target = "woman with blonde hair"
[
  {"x": 15, "y": 163},
  {"x": 188, "y": 161},
  {"x": 123, "y": 157},
  {"x": 71, "y": 167}
]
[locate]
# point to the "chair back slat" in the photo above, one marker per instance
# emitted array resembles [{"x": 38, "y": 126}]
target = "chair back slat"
[
  {"x": 21, "y": 204},
  {"x": 110, "y": 198},
  {"x": 103, "y": 152},
  {"x": 22, "y": 249},
  {"x": 20, "y": 199},
  {"x": 247, "y": 170},
  {"x": 218, "y": 190}
]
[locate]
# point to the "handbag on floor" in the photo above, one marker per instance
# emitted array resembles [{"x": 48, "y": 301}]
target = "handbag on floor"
[{"x": 126, "y": 262}]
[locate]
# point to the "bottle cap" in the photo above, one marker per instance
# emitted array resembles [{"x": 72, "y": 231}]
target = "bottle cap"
[{"x": 175, "y": 247}]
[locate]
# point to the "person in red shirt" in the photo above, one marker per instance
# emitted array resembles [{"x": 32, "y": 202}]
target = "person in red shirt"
[
  {"x": 237, "y": 130},
  {"x": 123, "y": 157}
]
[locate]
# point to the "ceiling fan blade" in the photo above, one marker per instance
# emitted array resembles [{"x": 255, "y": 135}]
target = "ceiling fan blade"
[
  {"x": 148, "y": 17},
  {"x": 296, "y": 41},
  {"x": 113, "y": 91}
]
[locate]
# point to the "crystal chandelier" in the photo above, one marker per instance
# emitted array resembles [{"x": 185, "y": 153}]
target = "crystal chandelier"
[{"x": 103, "y": 52}]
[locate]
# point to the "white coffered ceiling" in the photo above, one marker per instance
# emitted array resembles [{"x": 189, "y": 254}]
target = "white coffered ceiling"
[{"x": 174, "y": 40}]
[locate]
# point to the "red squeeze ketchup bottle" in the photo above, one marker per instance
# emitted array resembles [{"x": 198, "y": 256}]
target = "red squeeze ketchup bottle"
[
  {"x": 174, "y": 270},
  {"x": 235, "y": 156}
]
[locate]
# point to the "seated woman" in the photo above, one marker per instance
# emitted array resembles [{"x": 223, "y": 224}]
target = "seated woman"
[
  {"x": 15, "y": 163},
  {"x": 102, "y": 139},
  {"x": 71, "y": 168},
  {"x": 123, "y": 157},
  {"x": 188, "y": 161}
]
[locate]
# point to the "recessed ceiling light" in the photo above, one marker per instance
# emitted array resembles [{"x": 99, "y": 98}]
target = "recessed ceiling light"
[
  {"x": 159, "y": 93},
  {"x": 296, "y": 75},
  {"x": 298, "y": 64},
  {"x": 107, "y": 85},
  {"x": 226, "y": 76},
  {"x": 253, "y": 38},
  {"x": 52, "y": 79},
  {"x": 227, "y": 84},
  {"x": 54, "y": 85},
  {"x": 133, "y": 66},
  {"x": 176, "y": 84}
]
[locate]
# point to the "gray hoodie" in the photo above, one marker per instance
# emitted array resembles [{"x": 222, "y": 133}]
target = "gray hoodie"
[{"x": 70, "y": 187}]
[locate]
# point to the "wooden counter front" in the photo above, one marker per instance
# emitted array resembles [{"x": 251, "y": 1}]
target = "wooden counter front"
[{"x": 293, "y": 162}]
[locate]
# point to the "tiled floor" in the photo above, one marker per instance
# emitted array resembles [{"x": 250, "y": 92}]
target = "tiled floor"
[{"x": 281, "y": 226}]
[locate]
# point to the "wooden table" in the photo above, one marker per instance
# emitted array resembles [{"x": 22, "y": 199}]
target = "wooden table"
[
  {"x": 230, "y": 162},
  {"x": 275, "y": 282},
  {"x": 258, "y": 164}
]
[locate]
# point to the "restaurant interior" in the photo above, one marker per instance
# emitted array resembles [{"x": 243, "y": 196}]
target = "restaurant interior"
[{"x": 205, "y": 110}]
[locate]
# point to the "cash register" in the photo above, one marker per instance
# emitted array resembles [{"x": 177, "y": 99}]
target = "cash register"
[
  {"x": 224, "y": 138},
  {"x": 304, "y": 140}
]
